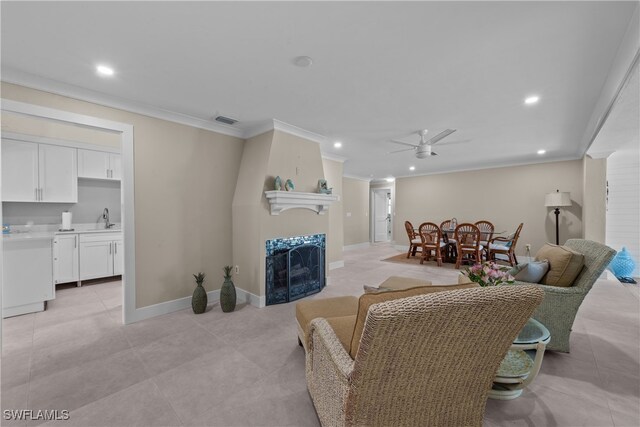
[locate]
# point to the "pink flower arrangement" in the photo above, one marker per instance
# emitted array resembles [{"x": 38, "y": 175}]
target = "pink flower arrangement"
[{"x": 489, "y": 274}]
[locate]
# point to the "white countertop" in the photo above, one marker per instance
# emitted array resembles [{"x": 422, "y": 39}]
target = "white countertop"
[{"x": 48, "y": 232}]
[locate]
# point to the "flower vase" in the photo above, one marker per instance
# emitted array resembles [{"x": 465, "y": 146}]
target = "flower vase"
[
  {"x": 228, "y": 296},
  {"x": 623, "y": 264},
  {"x": 199, "y": 300}
]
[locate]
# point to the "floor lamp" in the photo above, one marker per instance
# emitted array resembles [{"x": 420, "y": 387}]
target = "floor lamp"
[{"x": 557, "y": 200}]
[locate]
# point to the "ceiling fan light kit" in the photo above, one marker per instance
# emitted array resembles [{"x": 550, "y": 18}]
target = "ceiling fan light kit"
[{"x": 423, "y": 148}]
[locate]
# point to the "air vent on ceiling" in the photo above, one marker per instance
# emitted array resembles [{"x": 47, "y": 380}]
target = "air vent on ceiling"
[{"x": 226, "y": 120}]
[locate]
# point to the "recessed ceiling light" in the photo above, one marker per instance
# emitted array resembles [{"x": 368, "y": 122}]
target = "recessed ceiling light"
[
  {"x": 542, "y": 151},
  {"x": 531, "y": 100},
  {"x": 303, "y": 61},
  {"x": 104, "y": 70},
  {"x": 390, "y": 179},
  {"x": 412, "y": 168},
  {"x": 337, "y": 144}
]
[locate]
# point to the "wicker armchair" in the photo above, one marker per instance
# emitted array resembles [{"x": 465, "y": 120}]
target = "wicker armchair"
[
  {"x": 419, "y": 361},
  {"x": 560, "y": 306}
]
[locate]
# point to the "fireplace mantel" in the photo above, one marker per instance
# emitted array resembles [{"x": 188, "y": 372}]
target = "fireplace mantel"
[{"x": 283, "y": 200}]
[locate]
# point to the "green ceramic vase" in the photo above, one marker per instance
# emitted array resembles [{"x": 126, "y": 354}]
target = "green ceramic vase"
[
  {"x": 228, "y": 296},
  {"x": 199, "y": 300}
]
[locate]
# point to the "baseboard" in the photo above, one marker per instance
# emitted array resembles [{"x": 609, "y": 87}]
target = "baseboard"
[
  {"x": 356, "y": 246},
  {"x": 336, "y": 264},
  {"x": 252, "y": 299},
  {"x": 168, "y": 307}
]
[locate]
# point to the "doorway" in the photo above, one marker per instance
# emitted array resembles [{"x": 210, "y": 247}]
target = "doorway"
[
  {"x": 124, "y": 134},
  {"x": 382, "y": 215}
]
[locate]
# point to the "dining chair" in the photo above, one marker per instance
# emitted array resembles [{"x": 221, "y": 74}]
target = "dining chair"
[
  {"x": 431, "y": 242},
  {"x": 467, "y": 236},
  {"x": 505, "y": 246},
  {"x": 486, "y": 234},
  {"x": 447, "y": 237},
  {"x": 415, "y": 241}
]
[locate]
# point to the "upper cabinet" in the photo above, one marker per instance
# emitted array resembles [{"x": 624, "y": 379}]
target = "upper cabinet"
[
  {"x": 99, "y": 165},
  {"x": 34, "y": 172}
]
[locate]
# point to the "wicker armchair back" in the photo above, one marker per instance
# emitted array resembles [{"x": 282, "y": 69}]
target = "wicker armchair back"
[{"x": 420, "y": 362}]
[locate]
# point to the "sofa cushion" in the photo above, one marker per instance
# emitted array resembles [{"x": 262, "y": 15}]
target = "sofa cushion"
[
  {"x": 343, "y": 327},
  {"x": 564, "y": 264},
  {"x": 308, "y": 310},
  {"x": 531, "y": 272},
  {"x": 367, "y": 300}
]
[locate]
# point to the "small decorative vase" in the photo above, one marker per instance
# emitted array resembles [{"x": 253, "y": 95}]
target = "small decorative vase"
[
  {"x": 199, "y": 299},
  {"x": 622, "y": 264},
  {"x": 288, "y": 185},
  {"x": 277, "y": 184},
  {"x": 228, "y": 292}
]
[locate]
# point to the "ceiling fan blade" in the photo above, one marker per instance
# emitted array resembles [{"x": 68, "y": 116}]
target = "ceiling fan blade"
[
  {"x": 440, "y": 136},
  {"x": 403, "y": 143},
  {"x": 458, "y": 141},
  {"x": 400, "y": 151}
]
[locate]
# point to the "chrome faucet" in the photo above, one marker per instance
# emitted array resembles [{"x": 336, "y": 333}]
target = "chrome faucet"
[{"x": 105, "y": 216}]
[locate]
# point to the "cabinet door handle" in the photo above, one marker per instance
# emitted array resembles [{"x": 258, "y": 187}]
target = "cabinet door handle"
[
  {"x": 75, "y": 242},
  {"x": 35, "y": 191},
  {"x": 115, "y": 248},
  {"x": 110, "y": 247}
]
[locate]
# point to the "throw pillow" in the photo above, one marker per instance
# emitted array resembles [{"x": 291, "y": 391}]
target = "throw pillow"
[
  {"x": 564, "y": 265},
  {"x": 367, "y": 300},
  {"x": 532, "y": 272}
]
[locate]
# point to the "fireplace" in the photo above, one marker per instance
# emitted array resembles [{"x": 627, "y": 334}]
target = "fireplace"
[{"x": 295, "y": 268}]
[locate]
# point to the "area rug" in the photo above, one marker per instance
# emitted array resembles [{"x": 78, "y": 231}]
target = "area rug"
[{"x": 402, "y": 259}]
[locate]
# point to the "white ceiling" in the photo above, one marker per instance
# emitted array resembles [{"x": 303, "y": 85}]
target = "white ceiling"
[{"x": 380, "y": 70}]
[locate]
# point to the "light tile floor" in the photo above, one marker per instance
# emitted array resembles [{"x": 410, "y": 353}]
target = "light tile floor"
[{"x": 246, "y": 369}]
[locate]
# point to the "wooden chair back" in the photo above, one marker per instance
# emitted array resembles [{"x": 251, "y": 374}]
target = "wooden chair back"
[
  {"x": 468, "y": 236},
  {"x": 410, "y": 231},
  {"x": 430, "y": 234},
  {"x": 487, "y": 230}
]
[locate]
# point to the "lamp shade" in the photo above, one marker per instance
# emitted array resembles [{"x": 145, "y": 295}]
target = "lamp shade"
[{"x": 557, "y": 199}]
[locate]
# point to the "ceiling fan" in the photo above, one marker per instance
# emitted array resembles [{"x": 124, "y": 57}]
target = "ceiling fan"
[{"x": 423, "y": 149}]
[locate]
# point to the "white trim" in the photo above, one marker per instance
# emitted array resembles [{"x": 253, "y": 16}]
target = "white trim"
[
  {"x": 129, "y": 312},
  {"x": 170, "y": 306},
  {"x": 22, "y": 78},
  {"x": 329, "y": 156},
  {"x": 294, "y": 130},
  {"x": 356, "y": 246},
  {"x": 336, "y": 264},
  {"x": 356, "y": 177},
  {"x": 253, "y": 299},
  {"x": 259, "y": 129},
  {"x": 61, "y": 142}
]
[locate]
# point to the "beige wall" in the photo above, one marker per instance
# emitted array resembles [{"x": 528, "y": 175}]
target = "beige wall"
[
  {"x": 594, "y": 213},
  {"x": 335, "y": 237},
  {"x": 504, "y": 196},
  {"x": 355, "y": 206},
  {"x": 40, "y": 127},
  {"x": 184, "y": 185},
  {"x": 265, "y": 157}
]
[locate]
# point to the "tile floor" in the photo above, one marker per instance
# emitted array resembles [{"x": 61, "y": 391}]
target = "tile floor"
[{"x": 246, "y": 369}]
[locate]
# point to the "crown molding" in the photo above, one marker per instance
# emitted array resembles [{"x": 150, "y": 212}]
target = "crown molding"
[
  {"x": 359, "y": 178},
  {"x": 333, "y": 157},
  {"x": 259, "y": 129},
  {"x": 32, "y": 81},
  {"x": 296, "y": 131}
]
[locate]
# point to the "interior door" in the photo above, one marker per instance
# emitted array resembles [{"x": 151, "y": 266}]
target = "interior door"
[{"x": 381, "y": 215}]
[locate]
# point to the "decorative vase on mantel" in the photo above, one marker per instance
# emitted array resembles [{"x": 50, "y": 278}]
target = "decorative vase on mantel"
[
  {"x": 228, "y": 292},
  {"x": 199, "y": 299}
]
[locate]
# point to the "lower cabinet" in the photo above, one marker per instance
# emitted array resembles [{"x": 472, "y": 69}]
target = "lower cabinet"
[
  {"x": 101, "y": 255},
  {"x": 27, "y": 276},
  {"x": 65, "y": 258}
]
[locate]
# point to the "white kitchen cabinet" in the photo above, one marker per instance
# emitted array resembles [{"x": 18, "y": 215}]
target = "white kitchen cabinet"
[
  {"x": 27, "y": 276},
  {"x": 99, "y": 165},
  {"x": 100, "y": 255},
  {"x": 34, "y": 172},
  {"x": 65, "y": 258}
]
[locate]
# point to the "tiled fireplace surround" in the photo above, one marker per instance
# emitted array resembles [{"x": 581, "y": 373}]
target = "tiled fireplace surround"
[{"x": 295, "y": 267}]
